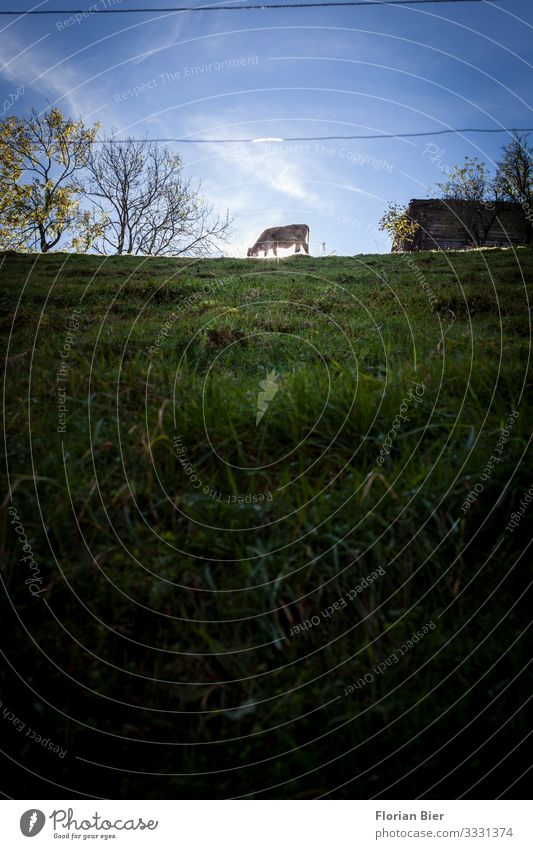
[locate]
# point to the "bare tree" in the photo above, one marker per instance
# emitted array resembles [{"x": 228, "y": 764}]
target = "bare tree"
[
  {"x": 150, "y": 207},
  {"x": 470, "y": 184},
  {"x": 514, "y": 178}
]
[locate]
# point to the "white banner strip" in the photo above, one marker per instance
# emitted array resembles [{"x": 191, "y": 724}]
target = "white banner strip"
[{"x": 268, "y": 824}]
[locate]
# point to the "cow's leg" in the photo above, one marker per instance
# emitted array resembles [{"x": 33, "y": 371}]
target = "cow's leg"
[
  {"x": 306, "y": 247},
  {"x": 297, "y": 248},
  {"x": 275, "y": 250}
]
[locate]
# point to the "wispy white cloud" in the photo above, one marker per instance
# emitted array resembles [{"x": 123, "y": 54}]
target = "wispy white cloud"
[
  {"x": 35, "y": 69},
  {"x": 5, "y": 65},
  {"x": 261, "y": 168}
]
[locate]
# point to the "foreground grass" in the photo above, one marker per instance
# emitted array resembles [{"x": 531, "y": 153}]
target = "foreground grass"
[{"x": 181, "y": 544}]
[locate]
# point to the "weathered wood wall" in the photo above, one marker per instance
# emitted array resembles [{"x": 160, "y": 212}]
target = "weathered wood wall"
[{"x": 458, "y": 225}]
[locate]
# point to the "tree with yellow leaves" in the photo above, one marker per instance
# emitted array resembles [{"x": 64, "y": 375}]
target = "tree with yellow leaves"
[
  {"x": 10, "y": 174},
  {"x": 41, "y": 160},
  {"x": 400, "y": 227}
]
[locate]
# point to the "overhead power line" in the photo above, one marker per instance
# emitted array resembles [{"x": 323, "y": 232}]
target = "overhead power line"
[
  {"x": 278, "y": 139},
  {"x": 213, "y": 8}
]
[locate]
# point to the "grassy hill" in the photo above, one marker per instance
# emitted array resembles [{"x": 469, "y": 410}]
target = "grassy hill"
[{"x": 198, "y": 617}]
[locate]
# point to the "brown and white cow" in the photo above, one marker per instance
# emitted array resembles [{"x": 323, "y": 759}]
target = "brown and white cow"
[{"x": 282, "y": 237}]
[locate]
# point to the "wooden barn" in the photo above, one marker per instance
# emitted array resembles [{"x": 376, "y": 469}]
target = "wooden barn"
[{"x": 460, "y": 225}]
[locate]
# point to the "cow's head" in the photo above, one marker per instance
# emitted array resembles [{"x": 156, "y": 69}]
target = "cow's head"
[{"x": 253, "y": 251}]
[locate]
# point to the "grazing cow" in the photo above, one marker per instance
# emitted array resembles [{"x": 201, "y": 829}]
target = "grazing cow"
[{"x": 282, "y": 237}]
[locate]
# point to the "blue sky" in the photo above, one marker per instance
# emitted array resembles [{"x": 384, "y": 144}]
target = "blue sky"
[{"x": 287, "y": 73}]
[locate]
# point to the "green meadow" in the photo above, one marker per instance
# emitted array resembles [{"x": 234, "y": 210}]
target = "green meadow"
[{"x": 184, "y": 550}]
